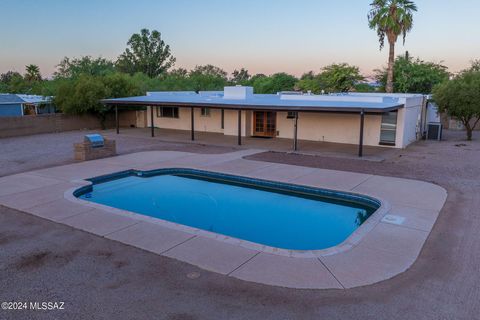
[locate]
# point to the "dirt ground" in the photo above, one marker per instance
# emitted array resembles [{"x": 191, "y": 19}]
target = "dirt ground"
[
  {"x": 20, "y": 154},
  {"x": 101, "y": 279}
]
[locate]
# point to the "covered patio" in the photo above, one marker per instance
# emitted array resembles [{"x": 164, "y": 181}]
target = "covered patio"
[
  {"x": 277, "y": 144},
  {"x": 240, "y": 102}
]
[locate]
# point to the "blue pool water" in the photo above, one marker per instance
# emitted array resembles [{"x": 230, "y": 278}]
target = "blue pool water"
[{"x": 277, "y": 215}]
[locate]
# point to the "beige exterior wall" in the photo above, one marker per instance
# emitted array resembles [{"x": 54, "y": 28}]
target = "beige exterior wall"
[
  {"x": 326, "y": 127},
  {"x": 231, "y": 123},
  {"x": 212, "y": 123},
  {"x": 331, "y": 127},
  {"x": 142, "y": 121}
]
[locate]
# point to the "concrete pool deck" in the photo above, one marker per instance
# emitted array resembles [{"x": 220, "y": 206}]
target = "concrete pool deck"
[{"x": 389, "y": 248}]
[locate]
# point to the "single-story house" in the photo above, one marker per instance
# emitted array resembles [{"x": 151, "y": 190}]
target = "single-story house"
[
  {"x": 373, "y": 119},
  {"x": 12, "y": 105}
]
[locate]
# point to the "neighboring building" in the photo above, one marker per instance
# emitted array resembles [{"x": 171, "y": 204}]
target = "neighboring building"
[
  {"x": 12, "y": 105},
  {"x": 374, "y": 119}
]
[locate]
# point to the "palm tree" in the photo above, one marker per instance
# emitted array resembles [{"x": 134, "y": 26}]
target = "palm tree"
[
  {"x": 391, "y": 18},
  {"x": 32, "y": 73}
]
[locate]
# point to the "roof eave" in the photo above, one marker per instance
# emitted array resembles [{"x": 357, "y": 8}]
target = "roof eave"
[{"x": 250, "y": 107}]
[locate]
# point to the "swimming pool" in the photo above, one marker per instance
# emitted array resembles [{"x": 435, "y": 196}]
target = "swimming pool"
[{"x": 279, "y": 215}]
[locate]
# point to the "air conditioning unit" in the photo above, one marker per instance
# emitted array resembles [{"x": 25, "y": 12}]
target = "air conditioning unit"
[{"x": 434, "y": 131}]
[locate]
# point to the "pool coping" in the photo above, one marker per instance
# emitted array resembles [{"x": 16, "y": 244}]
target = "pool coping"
[
  {"x": 387, "y": 244},
  {"x": 353, "y": 239}
]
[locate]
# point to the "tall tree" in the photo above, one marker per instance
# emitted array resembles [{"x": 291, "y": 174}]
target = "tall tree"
[
  {"x": 32, "y": 73},
  {"x": 414, "y": 75},
  {"x": 147, "y": 53},
  {"x": 460, "y": 98},
  {"x": 336, "y": 77},
  {"x": 9, "y": 76},
  {"x": 340, "y": 77},
  {"x": 391, "y": 18},
  {"x": 475, "y": 65},
  {"x": 73, "y": 68},
  {"x": 83, "y": 94},
  {"x": 240, "y": 76},
  {"x": 207, "y": 77},
  {"x": 275, "y": 83},
  {"x": 310, "y": 75}
]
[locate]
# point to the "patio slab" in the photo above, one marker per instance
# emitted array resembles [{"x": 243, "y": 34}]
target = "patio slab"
[
  {"x": 80, "y": 171},
  {"x": 414, "y": 193},
  {"x": 24, "y": 182},
  {"x": 371, "y": 266},
  {"x": 375, "y": 252},
  {"x": 99, "y": 222},
  {"x": 211, "y": 254},
  {"x": 332, "y": 179},
  {"x": 149, "y": 236},
  {"x": 198, "y": 161},
  {"x": 238, "y": 166},
  {"x": 287, "y": 272},
  {"x": 402, "y": 241},
  {"x": 58, "y": 210},
  {"x": 377, "y": 259},
  {"x": 280, "y": 172},
  {"x": 144, "y": 158},
  {"x": 415, "y": 218},
  {"x": 35, "y": 197}
]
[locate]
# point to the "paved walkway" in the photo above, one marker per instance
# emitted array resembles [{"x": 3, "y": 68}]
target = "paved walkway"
[{"x": 387, "y": 244}]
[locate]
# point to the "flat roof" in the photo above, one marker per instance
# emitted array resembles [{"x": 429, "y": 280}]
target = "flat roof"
[
  {"x": 273, "y": 102},
  {"x": 13, "y": 98}
]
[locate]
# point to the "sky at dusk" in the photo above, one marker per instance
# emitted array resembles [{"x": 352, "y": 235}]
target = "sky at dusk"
[{"x": 264, "y": 36}]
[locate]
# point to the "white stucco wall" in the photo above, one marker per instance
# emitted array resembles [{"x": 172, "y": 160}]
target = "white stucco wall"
[
  {"x": 432, "y": 112},
  {"x": 409, "y": 121}
]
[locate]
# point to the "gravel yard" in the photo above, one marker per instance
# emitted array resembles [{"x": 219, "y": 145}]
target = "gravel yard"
[
  {"x": 102, "y": 279},
  {"x": 20, "y": 154}
]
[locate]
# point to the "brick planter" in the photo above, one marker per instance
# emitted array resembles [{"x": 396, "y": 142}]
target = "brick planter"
[{"x": 84, "y": 151}]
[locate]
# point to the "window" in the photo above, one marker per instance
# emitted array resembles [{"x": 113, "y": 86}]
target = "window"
[
  {"x": 205, "y": 112},
  {"x": 291, "y": 115},
  {"x": 388, "y": 128},
  {"x": 167, "y": 112}
]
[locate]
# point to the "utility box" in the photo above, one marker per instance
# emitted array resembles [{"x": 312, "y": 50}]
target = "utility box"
[
  {"x": 238, "y": 93},
  {"x": 434, "y": 131},
  {"x": 94, "y": 146}
]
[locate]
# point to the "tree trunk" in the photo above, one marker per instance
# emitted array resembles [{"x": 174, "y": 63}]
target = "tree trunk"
[
  {"x": 469, "y": 130},
  {"x": 469, "y": 134},
  {"x": 391, "y": 62}
]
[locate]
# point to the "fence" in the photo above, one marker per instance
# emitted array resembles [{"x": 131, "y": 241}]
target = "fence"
[{"x": 48, "y": 123}]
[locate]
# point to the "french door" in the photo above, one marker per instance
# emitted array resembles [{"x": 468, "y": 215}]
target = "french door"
[{"x": 264, "y": 124}]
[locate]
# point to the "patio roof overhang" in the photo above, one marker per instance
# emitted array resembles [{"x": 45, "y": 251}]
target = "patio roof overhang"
[{"x": 260, "y": 104}]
